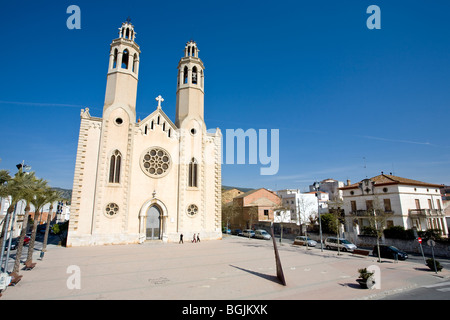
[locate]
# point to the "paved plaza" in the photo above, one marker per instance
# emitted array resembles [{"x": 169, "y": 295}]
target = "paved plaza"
[{"x": 234, "y": 268}]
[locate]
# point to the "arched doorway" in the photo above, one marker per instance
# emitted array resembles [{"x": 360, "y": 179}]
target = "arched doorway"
[{"x": 153, "y": 225}]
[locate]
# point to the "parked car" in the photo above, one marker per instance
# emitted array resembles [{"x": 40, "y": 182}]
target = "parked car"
[
  {"x": 302, "y": 240},
  {"x": 248, "y": 233},
  {"x": 15, "y": 242},
  {"x": 226, "y": 230},
  {"x": 262, "y": 234},
  {"x": 390, "y": 252},
  {"x": 237, "y": 232},
  {"x": 343, "y": 244}
]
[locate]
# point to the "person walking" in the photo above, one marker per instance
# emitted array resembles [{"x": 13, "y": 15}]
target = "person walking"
[
  {"x": 198, "y": 237},
  {"x": 181, "y": 238},
  {"x": 193, "y": 239}
]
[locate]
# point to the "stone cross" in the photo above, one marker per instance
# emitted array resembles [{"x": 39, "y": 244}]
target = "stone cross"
[{"x": 159, "y": 99}]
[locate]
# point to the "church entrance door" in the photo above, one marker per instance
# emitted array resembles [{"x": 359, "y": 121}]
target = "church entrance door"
[{"x": 153, "y": 223}]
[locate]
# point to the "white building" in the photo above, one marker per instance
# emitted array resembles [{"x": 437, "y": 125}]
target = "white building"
[
  {"x": 330, "y": 186},
  {"x": 408, "y": 203},
  {"x": 301, "y": 205},
  {"x": 152, "y": 179}
]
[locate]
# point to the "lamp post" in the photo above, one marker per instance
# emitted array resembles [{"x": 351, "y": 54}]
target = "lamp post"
[{"x": 316, "y": 186}]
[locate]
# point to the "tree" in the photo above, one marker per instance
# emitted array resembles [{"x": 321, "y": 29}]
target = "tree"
[
  {"x": 306, "y": 215},
  {"x": 52, "y": 196},
  {"x": 252, "y": 213},
  {"x": 334, "y": 207},
  {"x": 39, "y": 200},
  {"x": 377, "y": 218},
  {"x": 27, "y": 196},
  {"x": 282, "y": 211},
  {"x": 230, "y": 211}
]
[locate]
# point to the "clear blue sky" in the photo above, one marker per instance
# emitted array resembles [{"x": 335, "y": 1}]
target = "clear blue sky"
[{"x": 349, "y": 102}]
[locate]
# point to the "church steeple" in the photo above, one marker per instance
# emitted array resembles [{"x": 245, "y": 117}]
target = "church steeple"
[
  {"x": 190, "y": 85},
  {"x": 123, "y": 70}
]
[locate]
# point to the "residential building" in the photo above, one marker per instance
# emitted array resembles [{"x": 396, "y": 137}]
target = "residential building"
[
  {"x": 403, "y": 202},
  {"x": 330, "y": 186},
  {"x": 302, "y": 206},
  {"x": 255, "y": 206}
]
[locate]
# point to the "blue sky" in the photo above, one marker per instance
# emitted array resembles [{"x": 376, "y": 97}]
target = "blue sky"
[{"x": 349, "y": 102}]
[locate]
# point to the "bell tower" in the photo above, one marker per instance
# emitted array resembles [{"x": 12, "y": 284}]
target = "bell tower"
[
  {"x": 123, "y": 70},
  {"x": 190, "y": 86}
]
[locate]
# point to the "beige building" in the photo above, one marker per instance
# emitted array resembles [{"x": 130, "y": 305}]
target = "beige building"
[{"x": 152, "y": 179}]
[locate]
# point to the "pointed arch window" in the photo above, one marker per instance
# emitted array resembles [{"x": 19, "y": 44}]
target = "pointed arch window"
[
  {"x": 193, "y": 173},
  {"x": 114, "y": 167},
  {"x": 125, "y": 59},
  {"x": 194, "y": 75},
  {"x": 134, "y": 62},
  {"x": 185, "y": 75},
  {"x": 115, "y": 59}
]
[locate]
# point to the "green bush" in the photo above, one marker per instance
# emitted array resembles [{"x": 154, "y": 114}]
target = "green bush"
[
  {"x": 430, "y": 264},
  {"x": 364, "y": 274},
  {"x": 369, "y": 231}
]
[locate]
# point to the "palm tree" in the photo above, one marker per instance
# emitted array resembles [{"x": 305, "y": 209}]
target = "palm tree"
[
  {"x": 52, "y": 196},
  {"x": 37, "y": 185},
  {"x": 39, "y": 200},
  {"x": 17, "y": 188},
  {"x": 4, "y": 178}
]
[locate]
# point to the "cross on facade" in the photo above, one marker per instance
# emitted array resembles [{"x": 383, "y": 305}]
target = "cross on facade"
[{"x": 159, "y": 99}]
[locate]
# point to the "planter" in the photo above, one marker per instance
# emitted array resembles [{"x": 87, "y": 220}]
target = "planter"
[
  {"x": 368, "y": 283},
  {"x": 366, "y": 279}
]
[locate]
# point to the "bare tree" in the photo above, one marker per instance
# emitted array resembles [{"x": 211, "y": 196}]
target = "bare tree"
[{"x": 305, "y": 214}]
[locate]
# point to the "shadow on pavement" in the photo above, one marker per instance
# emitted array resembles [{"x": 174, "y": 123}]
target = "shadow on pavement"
[{"x": 262, "y": 275}]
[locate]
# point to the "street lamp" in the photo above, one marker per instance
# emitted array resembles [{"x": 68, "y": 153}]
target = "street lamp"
[{"x": 316, "y": 187}]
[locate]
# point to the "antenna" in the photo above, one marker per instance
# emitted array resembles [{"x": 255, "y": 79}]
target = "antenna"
[{"x": 365, "y": 167}]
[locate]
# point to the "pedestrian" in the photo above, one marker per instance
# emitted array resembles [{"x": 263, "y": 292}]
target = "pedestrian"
[
  {"x": 181, "y": 238},
  {"x": 198, "y": 237},
  {"x": 193, "y": 239}
]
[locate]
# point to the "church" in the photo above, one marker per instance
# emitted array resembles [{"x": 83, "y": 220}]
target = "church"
[{"x": 150, "y": 179}]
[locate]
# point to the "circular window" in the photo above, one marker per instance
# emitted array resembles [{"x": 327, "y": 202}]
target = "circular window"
[
  {"x": 352, "y": 193},
  {"x": 385, "y": 189},
  {"x": 193, "y": 131},
  {"x": 192, "y": 210},
  {"x": 111, "y": 209},
  {"x": 119, "y": 121},
  {"x": 156, "y": 162}
]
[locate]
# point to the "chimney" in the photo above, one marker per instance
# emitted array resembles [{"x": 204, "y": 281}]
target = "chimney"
[{"x": 348, "y": 182}]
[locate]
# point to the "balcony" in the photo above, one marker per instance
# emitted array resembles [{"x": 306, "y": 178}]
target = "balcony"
[
  {"x": 369, "y": 213},
  {"x": 425, "y": 213}
]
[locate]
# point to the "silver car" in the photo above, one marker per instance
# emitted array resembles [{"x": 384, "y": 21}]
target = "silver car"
[
  {"x": 343, "y": 244},
  {"x": 302, "y": 240},
  {"x": 262, "y": 234},
  {"x": 248, "y": 233}
]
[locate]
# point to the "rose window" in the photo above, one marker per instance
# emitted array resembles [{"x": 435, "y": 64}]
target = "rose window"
[{"x": 156, "y": 162}]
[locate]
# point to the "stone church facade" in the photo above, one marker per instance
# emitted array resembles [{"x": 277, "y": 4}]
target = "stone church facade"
[{"x": 146, "y": 180}]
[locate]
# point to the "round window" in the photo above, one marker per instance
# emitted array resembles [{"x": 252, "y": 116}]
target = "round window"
[
  {"x": 119, "y": 121},
  {"x": 155, "y": 162},
  {"x": 193, "y": 131},
  {"x": 192, "y": 210},
  {"x": 111, "y": 209}
]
